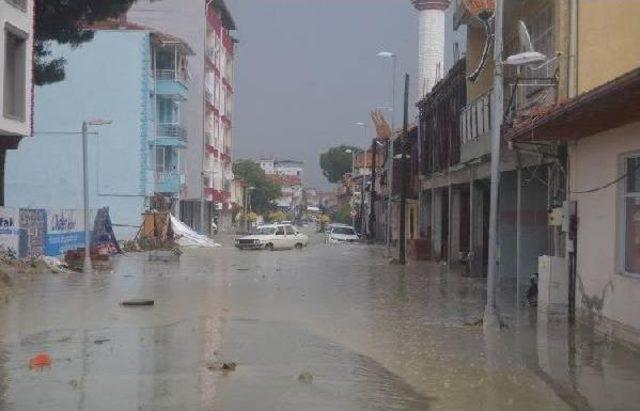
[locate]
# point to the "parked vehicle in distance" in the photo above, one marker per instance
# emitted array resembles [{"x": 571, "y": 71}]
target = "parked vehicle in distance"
[
  {"x": 273, "y": 237},
  {"x": 327, "y": 230},
  {"x": 343, "y": 234}
]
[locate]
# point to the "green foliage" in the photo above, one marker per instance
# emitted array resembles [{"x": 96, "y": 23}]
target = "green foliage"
[
  {"x": 343, "y": 215},
  {"x": 277, "y": 216},
  {"x": 63, "y": 21},
  {"x": 335, "y": 162},
  {"x": 265, "y": 193}
]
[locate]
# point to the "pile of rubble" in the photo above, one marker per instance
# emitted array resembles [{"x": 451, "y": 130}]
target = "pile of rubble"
[{"x": 12, "y": 268}]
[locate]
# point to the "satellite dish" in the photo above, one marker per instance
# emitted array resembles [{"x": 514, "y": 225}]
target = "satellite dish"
[{"x": 528, "y": 54}]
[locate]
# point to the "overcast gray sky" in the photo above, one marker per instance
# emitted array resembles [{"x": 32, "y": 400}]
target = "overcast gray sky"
[{"x": 307, "y": 71}]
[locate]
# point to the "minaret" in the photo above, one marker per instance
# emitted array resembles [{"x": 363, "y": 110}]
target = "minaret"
[{"x": 431, "y": 43}]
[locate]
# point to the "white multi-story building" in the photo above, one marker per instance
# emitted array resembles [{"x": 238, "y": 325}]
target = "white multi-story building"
[
  {"x": 281, "y": 167},
  {"x": 288, "y": 174},
  {"x": 208, "y": 113},
  {"x": 16, "y": 45}
]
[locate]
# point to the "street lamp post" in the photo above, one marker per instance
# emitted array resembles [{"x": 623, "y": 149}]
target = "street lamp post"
[
  {"x": 362, "y": 220},
  {"x": 403, "y": 175},
  {"x": 353, "y": 173},
  {"x": 86, "y": 266},
  {"x": 364, "y": 127},
  {"x": 394, "y": 58},
  {"x": 247, "y": 206}
]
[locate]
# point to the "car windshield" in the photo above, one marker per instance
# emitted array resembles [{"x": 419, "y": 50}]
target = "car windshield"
[
  {"x": 344, "y": 231},
  {"x": 265, "y": 231}
]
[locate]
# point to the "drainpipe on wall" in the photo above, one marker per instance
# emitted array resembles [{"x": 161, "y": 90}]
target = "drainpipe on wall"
[{"x": 573, "y": 49}]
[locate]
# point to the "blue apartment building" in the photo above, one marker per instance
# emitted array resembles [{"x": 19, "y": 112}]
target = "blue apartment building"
[{"x": 136, "y": 78}]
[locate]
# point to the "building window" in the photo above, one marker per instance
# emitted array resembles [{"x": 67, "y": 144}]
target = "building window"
[
  {"x": 14, "y": 99},
  {"x": 631, "y": 215},
  {"x": 160, "y": 160}
]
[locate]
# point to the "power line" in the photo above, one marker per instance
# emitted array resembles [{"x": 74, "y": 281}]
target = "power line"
[{"x": 609, "y": 184}]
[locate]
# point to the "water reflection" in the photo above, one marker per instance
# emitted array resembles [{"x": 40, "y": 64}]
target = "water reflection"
[{"x": 374, "y": 336}]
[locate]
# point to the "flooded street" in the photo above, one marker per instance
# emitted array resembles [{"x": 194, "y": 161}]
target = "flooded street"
[{"x": 324, "y": 328}]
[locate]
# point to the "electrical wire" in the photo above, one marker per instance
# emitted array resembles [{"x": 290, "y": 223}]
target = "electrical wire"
[{"x": 609, "y": 184}]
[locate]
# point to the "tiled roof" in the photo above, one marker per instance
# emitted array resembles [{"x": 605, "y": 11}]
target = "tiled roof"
[{"x": 285, "y": 180}]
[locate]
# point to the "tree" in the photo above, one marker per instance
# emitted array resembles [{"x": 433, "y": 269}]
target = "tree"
[
  {"x": 335, "y": 162},
  {"x": 343, "y": 215},
  {"x": 64, "y": 21},
  {"x": 265, "y": 192}
]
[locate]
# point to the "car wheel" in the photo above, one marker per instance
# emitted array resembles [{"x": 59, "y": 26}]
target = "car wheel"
[
  {"x": 269, "y": 247},
  {"x": 299, "y": 246}
]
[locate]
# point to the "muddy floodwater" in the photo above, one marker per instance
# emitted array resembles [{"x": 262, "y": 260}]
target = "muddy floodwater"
[{"x": 332, "y": 328}]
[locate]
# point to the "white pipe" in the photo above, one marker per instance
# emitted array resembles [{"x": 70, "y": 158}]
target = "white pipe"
[{"x": 573, "y": 49}]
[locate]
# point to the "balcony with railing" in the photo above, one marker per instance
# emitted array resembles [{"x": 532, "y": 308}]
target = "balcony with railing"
[
  {"x": 168, "y": 182},
  {"x": 172, "y": 83},
  {"x": 475, "y": 127},
  {"x": 171, "y": 134}
]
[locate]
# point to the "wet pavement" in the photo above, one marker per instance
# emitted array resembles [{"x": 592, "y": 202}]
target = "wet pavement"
[{"x": 326, "y": 328}]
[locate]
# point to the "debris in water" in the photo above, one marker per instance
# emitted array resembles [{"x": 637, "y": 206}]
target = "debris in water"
[
  {"x": 476, "y": 323},
  {"x": 229, "y": 366},
  {"x": 136, "y": 302},
  {"x": 165, "y": 256},
  {"x": 305, "y": 377},
  {"x": 242, "y": 269},
  {"x": 101, "y": 340},
  {"x": 224, "y": 366},
  {"x": 75, "y": 384},
  {"x": 40, "y": 361}
]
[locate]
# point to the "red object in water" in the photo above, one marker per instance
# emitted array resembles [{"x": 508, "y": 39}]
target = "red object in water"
[{"x": 42, "y": 360}]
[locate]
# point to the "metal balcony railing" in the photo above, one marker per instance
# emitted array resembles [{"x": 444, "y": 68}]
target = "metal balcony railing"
[
  {"x": 209, "y": 138},
  {"x": 19, "y": 4},
  {"x": 208, "y": 95},
  {"x": 171, "y": 75},
  {"x": 166, "y": 176},
  {"x": 172, "y": 130},
  {"x": 475, "y": 118}
]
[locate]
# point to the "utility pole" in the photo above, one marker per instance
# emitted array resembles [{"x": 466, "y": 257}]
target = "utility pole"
[
  {"x": 403, "y": 174},
  {"x": 390, "y": 159},
  {"x": 361, "y": 212},
  {"x": 86, "y": 267},
  {"x": 372, "y": 192},
  {"x": 491, "y": 314},
  {"x": 246, "y": 209}
]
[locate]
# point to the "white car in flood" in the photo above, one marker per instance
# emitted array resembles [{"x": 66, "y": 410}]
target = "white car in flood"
[
  {"x": 273, "y": 237},
  {"x": 342, "y": 234}
]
